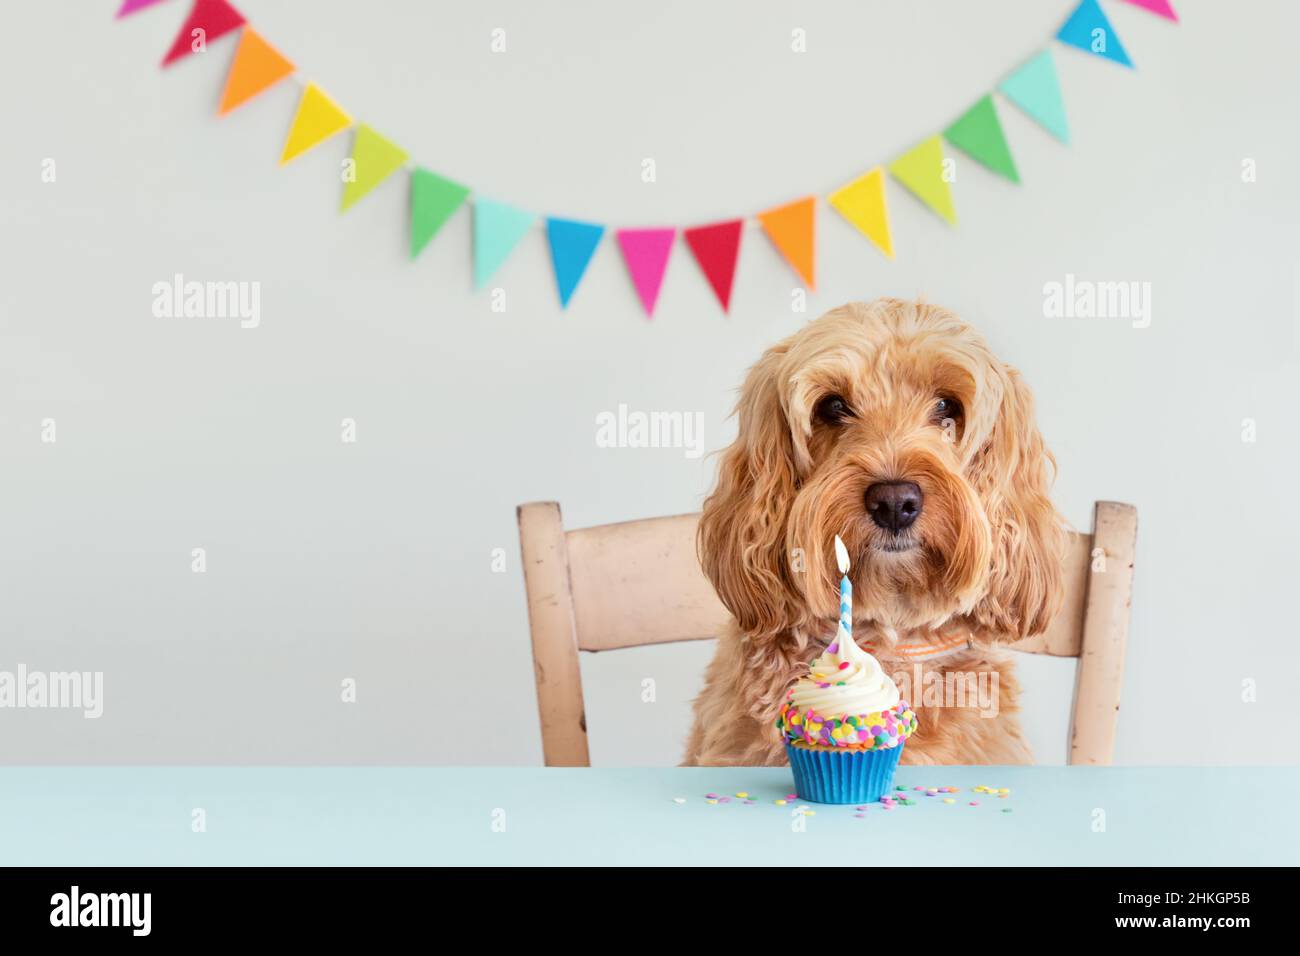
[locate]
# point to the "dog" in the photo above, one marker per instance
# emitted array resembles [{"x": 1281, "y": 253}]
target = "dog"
[{"x": 892, "y": 425}]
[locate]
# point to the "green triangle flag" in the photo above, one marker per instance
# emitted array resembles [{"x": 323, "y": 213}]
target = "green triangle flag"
[
  {"x": 374, "y": 159},
  {"x": 979, "y": 134},
  {"x": 920, "y": 169},
  {"x": 433, "y": 200}
]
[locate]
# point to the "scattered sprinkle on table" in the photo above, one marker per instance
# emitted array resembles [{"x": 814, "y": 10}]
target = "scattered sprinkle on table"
[
  {"x": 900, "y": 796},
  {"x": 679, "y": 799}
]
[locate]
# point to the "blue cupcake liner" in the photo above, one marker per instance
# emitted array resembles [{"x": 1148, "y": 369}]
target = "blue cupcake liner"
[{"x": 842, "y": 776}]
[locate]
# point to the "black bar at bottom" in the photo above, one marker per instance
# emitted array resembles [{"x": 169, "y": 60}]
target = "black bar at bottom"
[{"x": 925, "y": 904}]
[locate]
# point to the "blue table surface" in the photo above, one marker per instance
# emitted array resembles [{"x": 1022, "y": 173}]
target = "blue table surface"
[{"x": 136, "y": 816}]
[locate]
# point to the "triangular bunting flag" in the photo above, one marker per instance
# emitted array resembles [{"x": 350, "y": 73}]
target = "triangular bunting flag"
[
  {"x": 257, "y": 66},
  {"x": 792, "y": 230},
  {"x": 572, "y": 246},
  {"x": 374, "y": 159},
  {"x": 131, "y": 6},
  {"x": 862, "y": 202},
  {"x": 214, "y": 18},
  {"x": 1036, "y": 90},
  {"x": 716, "y": 248},
  {"x": 646, "y": 253},
  {"x": 317, "y": 119},
  {"x": 497, "y": 230},
  {"x": 1089, "y": 30},
  {"x": 979, "y": 134},
  {"x": 433, "y": 200},
  {"x": 920, "y": 169},
  {"x": 1161, "y": 8}
]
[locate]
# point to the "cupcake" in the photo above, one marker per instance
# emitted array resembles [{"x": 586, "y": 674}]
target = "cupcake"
[{"x": 844, "y": 726}]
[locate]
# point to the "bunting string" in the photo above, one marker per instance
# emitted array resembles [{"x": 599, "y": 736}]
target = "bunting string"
[{"x": 1033, "y": 87}]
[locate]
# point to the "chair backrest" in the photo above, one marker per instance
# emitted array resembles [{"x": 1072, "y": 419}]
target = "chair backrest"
[{"x": 639, "y": 582}]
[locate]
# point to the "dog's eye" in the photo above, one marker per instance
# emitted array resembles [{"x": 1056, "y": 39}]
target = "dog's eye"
[
  {"x": 948, "y": 408},
  {"x": 833, "y": 410}
]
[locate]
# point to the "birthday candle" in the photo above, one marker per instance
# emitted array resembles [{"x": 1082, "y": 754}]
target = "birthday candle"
[{"x": 846, "y": 590}]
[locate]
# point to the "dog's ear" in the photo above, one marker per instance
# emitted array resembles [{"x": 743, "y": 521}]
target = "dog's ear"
[
  {"x": 1012, "y": 471},
  {"x": 741, "y": 540}
]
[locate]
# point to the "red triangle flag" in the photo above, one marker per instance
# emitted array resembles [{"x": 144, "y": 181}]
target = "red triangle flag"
[
  {"x": 716, "y": 248},
  {"x": 214, "y": 17}
]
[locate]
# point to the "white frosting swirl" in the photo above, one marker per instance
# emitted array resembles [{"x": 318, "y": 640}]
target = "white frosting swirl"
[{"x": 834, "y": 690}]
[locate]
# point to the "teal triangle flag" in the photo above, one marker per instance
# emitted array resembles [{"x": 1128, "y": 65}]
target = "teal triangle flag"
[
  {"x": 497, "y": 230},
  {"x": 1036, "y": 90},
  {"x": 572, "y": 246},
  {"x": 979, "y": 134},
  {"x": 433, "y": 200},
  {"x": 1089, "y": 30}
]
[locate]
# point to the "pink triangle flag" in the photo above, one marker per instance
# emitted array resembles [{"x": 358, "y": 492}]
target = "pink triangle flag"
[
  {"x": 131, "y": 6},
  {"x": 1161, "y": 8},
  {"x": 646, "y": 253}
]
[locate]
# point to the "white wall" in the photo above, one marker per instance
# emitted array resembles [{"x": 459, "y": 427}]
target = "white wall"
[{"x": 372, "y": 560}]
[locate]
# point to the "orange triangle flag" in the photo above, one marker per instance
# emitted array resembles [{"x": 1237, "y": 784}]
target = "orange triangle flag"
[
  {"x": 790, "y": 227},
  {"x": 257, "y": 66}
]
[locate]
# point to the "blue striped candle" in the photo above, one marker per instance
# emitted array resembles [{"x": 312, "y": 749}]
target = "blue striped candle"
[{"x": 846, "y": 590}]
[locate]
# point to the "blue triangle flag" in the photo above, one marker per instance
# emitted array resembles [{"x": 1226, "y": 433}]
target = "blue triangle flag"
[
  {"x": 1089, "y": 30},
  {"x": 1036, "y": 90},
  {"x": 497, "y": 230},
  {"x": 572, "y": 246}
]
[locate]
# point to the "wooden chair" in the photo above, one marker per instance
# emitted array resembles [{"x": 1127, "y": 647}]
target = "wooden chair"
[{"x": 639, "y": 582}]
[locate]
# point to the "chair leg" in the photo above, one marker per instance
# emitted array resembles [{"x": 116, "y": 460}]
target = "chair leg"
[
  {"x": 1100, "y": 672},
  {"x": 545, "y": 556}
]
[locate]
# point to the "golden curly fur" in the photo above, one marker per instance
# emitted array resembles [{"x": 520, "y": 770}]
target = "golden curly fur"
[{"x": 983, "y": 557}]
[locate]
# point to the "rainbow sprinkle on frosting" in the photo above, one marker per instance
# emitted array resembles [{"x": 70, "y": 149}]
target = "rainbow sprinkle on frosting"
[{"x": 876, "y": 731}]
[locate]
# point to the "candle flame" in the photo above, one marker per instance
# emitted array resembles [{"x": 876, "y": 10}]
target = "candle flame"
[{"x": 841, "y": 555}]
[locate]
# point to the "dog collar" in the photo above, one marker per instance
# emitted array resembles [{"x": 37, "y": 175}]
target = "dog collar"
[
  {"x": 940, "y": 646},
  {"x": 928, "y": 650}
]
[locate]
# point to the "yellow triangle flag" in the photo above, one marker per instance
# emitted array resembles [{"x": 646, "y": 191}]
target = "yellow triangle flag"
[
  {"x": 791, "y": 229},
  {"x": 257, "y": 65},
  {"x": 862, "y": 202},
  {"x": 318, "y": 118},
  {"x": 374, "y": 159},
  {"x": 920, "y": 169}
]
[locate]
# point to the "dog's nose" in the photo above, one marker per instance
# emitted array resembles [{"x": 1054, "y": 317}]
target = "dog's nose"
[{"x": 894, "y": 505}]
